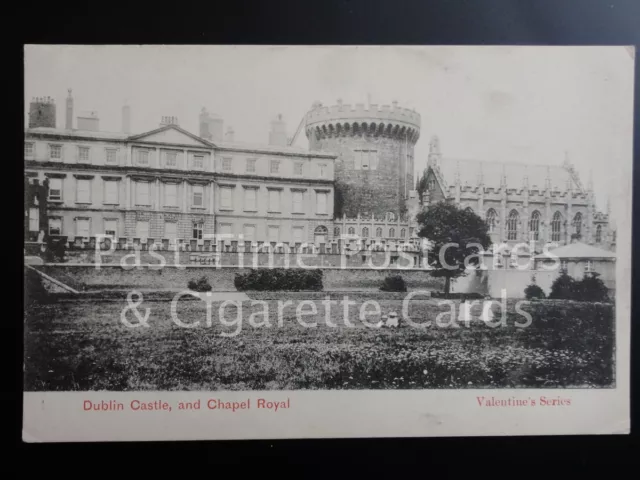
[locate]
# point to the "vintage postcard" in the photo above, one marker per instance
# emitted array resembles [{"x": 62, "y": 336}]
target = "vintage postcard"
[{"x": 267, "y": 242}]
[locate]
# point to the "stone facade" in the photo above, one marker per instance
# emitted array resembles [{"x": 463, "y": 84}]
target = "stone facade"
[
  {"x": 170, "y": 187},
  {"x": 521, "y": 203},
  {"x": 375, "y": 155}
]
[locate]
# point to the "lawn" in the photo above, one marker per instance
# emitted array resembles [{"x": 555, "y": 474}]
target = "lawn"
[{"x": 82, "y": 345}]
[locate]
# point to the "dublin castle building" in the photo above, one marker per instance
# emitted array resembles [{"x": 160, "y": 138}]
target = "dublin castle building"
[
  {"x": 374, "y": 168},
  {"x": 170, "y": 187},
  {"x": 353, "y": 188},
  {"x": 520, "y": 203}
]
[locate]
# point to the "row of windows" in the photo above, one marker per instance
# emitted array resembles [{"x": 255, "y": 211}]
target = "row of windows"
[
  {"x": 82, "y": 228},
  {"x": 170, "y": 160},
  {"x": 274, "y": 200},
  {"x": 84, "y": 191},
  {"x": 170, "y": 199},
  {"x": 274, "y": 167},
  {"x": 365, "y": 232},
  {"x": 534, "y": 225}
]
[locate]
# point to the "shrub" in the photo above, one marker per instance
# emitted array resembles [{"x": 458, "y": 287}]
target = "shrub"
[
  {"x": 394, "y": 283},
  {"x": 200, "y": 285},
  {"x": 533, "y": 291},
  {"x": 460, "y": 296},
  {"x": 56, "y": 251},
  {"x": 292, "y": 280},
  {"x": 563, "y": 288},
  {"x": 591, "y": 289},
  {"x": 34, "y": 289}
]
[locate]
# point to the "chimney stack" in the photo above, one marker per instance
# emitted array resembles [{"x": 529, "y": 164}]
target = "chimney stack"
[
  {"x": 278, "y": 133},
  {"x": 42, "y": 112},
  {"x": 169, "y": 120},
  {"x": 211, "y": 126},
  {"x": 68, "y": 124},
  {"x": 229, "y": 136},
  {"x": 126, "y": 118}
]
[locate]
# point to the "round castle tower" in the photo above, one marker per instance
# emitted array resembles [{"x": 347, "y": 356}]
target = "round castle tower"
[{"x": 374, "y": 144}]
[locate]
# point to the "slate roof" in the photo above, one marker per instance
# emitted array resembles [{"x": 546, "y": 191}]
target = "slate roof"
[
  {"x": 492, "y": 172},
  {"x": 580, "y": 250},
  {"x": 79, "y": 133}
]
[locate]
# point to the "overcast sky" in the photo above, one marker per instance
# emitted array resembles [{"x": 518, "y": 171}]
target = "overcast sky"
[{"x": 520, "y": 104}]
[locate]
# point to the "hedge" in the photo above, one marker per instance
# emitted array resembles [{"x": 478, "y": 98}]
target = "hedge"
[{"x": 293, "y": 280}]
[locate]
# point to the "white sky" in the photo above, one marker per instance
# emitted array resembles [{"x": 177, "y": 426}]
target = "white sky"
[{"x": 523, "y": 104}]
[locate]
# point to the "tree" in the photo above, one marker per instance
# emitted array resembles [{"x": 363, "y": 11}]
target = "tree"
[
  {"x": 563, "y": 287},
  {"x": 454, "y": 234},
  {"x": 592, "y": 289},
  {"x": 421, "y": 185}
]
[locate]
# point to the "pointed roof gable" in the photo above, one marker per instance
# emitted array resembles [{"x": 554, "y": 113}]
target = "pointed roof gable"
[
  {"x": 579, "y": 250},
  {"x": 171, "y": 134}
]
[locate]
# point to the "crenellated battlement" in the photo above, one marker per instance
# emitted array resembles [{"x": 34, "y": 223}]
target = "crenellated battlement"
[{"x": 347, "y": 119}]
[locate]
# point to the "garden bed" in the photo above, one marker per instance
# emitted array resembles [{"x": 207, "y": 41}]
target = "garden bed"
[{"x": 82, "y": 345}]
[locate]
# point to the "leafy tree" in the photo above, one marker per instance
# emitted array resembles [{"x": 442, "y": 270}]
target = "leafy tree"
[
  {"x": 592, "y": 289},
  {"x": 338, "y": 199},
  {"x": 454, "y": 234},
  {"x": 421, "y": 184},
  {"x": 563, "y": 287}
]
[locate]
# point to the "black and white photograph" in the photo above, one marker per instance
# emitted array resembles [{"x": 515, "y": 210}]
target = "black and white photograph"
[{"x": 247, "y": 223}]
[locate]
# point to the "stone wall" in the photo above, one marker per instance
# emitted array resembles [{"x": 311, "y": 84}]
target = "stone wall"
[
  {"x": 493, "y": 282},
  {"x": 370, "y": 191},
  {"x": 175, "y": 278},
  {"x": 370, "y": 259}
]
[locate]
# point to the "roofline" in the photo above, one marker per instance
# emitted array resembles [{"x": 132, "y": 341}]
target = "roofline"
[
  {"x": 72, "y": 135},
  {"x": 499, "y": 162},
  {"x": 167, "y": 127},
  {"x": 139, "y": 138},
  {"x": 588, "y": 257},
  {"x": 258, "y": 150}
]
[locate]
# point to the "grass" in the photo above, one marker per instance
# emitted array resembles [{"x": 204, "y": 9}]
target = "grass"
[{"x": 82, "y": 345}]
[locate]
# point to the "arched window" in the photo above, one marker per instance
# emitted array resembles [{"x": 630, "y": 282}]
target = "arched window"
[
  {"x": 365, "y": 232},
  {"x": 336, "y": 232},
  {"x": 403, "y": 233},
  {"x": 599, "y": 234},
  {"x": 512, "y": 226},
  {"x": 352, "y": 231},
  {"x": 556, "y": 227},
  {"x": 392, "y": 232},
  {"x": 577, "y": 224},
  {"x": 379, "y": 232},
  {"x": 431, "y": 184},
  {"x": 320, "y": 235},
  {"x": 534, "y": 225},
  {"x": 491, "y": 219},
  {"x": 468, "y": 210}
]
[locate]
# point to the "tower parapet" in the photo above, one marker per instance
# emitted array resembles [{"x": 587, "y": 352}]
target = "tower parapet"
[
  {"x": 374, "y": 144},
  {"x": 344, "y": 119}
]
